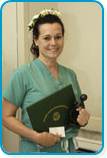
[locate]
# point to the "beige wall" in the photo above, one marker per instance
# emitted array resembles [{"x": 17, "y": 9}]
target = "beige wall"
[
  {"x": 10, "y": 62},
  {"x": 13, "y": 55},
  {"x": 82, "y": 51}
]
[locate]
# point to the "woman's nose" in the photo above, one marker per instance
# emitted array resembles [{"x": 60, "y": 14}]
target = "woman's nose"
[{"x": 53, "y": 41}]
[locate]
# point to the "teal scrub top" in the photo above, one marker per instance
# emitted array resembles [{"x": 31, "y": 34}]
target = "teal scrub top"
[{"x": 33, "y": 82}]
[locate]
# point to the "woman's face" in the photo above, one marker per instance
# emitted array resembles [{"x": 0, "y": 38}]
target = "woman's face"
[{"x": 50, "y": 40}]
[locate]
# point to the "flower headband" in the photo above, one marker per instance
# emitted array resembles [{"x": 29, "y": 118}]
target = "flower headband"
[{"x": 42, "y": 14}]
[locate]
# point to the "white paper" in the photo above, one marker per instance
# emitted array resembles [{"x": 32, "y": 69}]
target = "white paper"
[{"x": 57, "y": 130}]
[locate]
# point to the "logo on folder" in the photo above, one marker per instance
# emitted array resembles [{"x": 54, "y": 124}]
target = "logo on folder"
[
  {"x": 55, "y": 113},
  {"x": 56, "y": 116}
]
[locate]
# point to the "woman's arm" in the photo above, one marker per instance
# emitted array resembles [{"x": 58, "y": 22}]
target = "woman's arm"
[{"x": 12, "y": 123}]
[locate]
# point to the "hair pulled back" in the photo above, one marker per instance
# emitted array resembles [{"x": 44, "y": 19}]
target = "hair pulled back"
[{"x": 35, "y": 32}]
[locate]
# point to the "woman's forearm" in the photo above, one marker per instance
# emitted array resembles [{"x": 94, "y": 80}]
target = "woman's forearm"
[
  {"x": 12, "y": 123},
  {"x": 19, "y": 128}
]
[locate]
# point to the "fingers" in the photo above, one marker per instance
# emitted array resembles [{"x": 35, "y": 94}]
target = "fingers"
[
  {"x": 79, "y": 108},
  {"x": 57, "y": 137},
  {"x": 49, "y": 139},
  {"x": 83, "y": 116}
]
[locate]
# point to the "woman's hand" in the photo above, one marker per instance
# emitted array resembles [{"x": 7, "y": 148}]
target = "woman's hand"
[
  {"x": 83, "y": 116},
  {"x": 12, "y": 123},
  {"x": 47, "y": 139}
]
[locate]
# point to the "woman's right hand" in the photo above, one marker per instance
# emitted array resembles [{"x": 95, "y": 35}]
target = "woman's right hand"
[
  {"x": 47, "y": 139},
  {"x": 12, "y": 123}
]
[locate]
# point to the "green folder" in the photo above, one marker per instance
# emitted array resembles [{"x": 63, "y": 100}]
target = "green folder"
[{"x": 52, "y": 111}]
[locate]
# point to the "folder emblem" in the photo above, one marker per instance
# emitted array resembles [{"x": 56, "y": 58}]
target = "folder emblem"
[
  {"x": 56, "y": 116},
  {"x": 55, "y": 112}
]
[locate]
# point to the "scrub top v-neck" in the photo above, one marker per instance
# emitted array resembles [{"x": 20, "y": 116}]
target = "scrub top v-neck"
[{"x": 33, "y": 82}]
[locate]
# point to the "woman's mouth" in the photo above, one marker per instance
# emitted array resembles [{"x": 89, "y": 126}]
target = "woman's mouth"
[{"x": 53, "y": 49}]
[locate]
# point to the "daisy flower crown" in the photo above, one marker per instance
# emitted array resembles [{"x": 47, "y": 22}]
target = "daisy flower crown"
[{"x": 42, "y": 14}]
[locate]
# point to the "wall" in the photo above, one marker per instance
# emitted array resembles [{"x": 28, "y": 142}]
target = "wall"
[
  {"x": 13, "y": 55},
  {"x": 10, "y": 62}
]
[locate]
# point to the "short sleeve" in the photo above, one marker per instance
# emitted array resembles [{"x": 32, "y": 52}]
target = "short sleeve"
[{"x": 15, "y": 90}]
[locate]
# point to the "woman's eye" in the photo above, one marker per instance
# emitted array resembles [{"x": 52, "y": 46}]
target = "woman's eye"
[
  {"x": 47, "y": 38},
  {"x": 58, "y": 37}
]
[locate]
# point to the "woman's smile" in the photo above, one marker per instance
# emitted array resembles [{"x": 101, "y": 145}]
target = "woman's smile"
[
  {"x": 53, "y": 49},
  {"x": 50, "y": 41}
]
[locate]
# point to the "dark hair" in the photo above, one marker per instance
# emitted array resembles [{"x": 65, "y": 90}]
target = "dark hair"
[{"x": 43, "y": 20}]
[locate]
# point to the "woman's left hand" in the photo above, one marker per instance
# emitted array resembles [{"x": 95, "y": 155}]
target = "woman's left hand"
[{"x": 83, "y": 116}]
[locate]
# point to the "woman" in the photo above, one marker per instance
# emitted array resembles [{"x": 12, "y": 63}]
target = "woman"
[{"x": 34, "y": 81}]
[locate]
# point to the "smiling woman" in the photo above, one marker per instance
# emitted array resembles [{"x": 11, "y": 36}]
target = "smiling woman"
[
  {"x": 37, "y": 80},
  {"x": 50, "y": 41}
]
